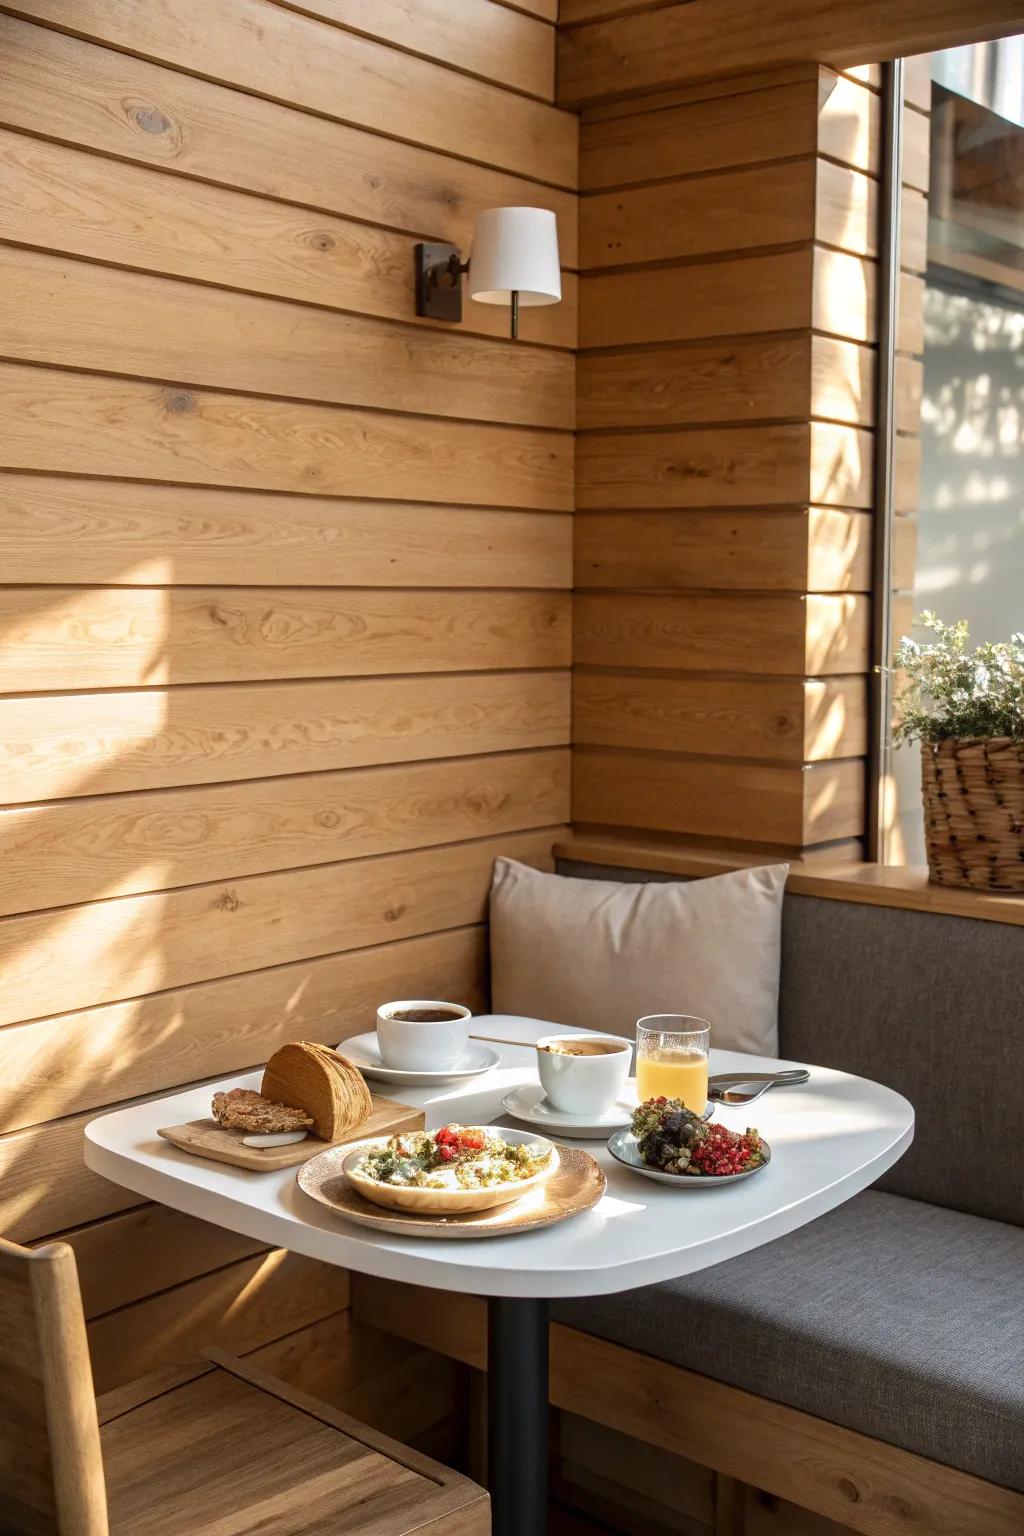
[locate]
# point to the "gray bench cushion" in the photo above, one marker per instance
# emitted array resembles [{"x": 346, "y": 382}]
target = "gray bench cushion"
[
  {"x": 931, "y": 1005},
  {"x": 934, "y": 1007},
  {"x": 890, "y": 1316}
]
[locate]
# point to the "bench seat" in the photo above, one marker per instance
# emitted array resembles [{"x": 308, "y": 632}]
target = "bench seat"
[{"x": 889, "y": 1316}]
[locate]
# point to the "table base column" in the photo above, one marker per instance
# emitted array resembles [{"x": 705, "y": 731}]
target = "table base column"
[{"x": 517, "y": 1415}]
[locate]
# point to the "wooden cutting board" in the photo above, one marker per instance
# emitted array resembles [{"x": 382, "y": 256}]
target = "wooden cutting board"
[{"x": 205, "y": 1138}]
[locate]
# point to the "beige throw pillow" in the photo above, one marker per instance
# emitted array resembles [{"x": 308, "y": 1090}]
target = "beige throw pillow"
[{"x": 598, "y": 954}]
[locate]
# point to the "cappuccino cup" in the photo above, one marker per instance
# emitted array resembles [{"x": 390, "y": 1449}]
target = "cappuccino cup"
[
  {"x": 583, "y": 1074},
  {"x": 422, "y": 1034}
]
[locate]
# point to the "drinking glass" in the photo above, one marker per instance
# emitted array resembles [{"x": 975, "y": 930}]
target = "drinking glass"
[{"x": 672, "y": 1059}]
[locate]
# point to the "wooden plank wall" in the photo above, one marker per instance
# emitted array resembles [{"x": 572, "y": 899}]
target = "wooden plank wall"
[
  {"x": 285, "y": 610},
  {"x": 619, "y": 48},
  {"x": 724, "y": 460}
]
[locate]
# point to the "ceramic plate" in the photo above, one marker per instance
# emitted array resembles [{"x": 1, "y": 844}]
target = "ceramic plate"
[
  {"x": 364, "y": 1052},
  {"x": 448, "y": 1202},
  {"x": 623, "y": 1147},
  {"x": 577, "y": 1185},
  {"x": 527, "y": 1103}
]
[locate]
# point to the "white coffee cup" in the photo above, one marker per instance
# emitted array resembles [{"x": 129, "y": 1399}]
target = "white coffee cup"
[
  {"x": 583, "y": 1085},
  {"x": 425, "y": 1044}
]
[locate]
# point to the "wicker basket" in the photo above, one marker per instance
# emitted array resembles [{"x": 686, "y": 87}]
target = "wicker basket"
[{"x": 974, "y": 811}]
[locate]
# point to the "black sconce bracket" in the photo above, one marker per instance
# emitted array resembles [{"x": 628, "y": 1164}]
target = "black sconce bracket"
[{"x": 439, "y": 269}]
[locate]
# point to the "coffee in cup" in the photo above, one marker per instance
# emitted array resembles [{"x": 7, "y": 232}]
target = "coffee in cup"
[
  {"x": 422, "y": 1034},
  {"x": 583, "y": 1074}
]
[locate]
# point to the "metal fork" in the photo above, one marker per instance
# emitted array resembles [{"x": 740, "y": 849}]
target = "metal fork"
[{"x": 727, "y": 1087}]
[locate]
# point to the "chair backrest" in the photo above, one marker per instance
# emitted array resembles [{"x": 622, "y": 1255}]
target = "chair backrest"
[{"x": 51, "y": 1467}]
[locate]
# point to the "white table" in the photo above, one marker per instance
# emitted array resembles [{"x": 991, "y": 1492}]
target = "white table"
[{"x": 830, "y": 1138}]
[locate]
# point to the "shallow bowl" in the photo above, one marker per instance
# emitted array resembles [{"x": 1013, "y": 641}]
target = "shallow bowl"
[{"x": 448, "y": 1202}]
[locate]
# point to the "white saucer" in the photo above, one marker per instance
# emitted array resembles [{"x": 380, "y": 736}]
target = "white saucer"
[
  {"x": 364, "y": 1052},
  {"x": 527, "y": 1103}
]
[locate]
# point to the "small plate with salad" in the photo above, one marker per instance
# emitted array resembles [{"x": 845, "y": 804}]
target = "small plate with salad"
[{"x": 668, "y": 1143}]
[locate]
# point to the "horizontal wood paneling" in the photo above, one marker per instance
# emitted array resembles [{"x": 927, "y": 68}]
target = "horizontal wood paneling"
[
  {"x": 138, "y": 111},
  {"x": 247, "y": 1304},
  {"x": 709, "y": 716},
  {"x": 745, "y": 379},
  {"x": 487, "y": 39},
  {"x": 58, "y": 312},
  {"x": 914, "y": 230},
  {"x": 909, "y": 382},
  {"x": 154, "y": 1043},
  {"x": 149, "y": 1248},
  {"x": 750, "y": 802},
  {"x": 45, "y": 1186},
  {"x": 279, "y": 54},
  {"x": 761, "y": 718},
  {"x": 285, "y": 622},
  {"x": 59, "y": 529},
  {"x": 842, "y": 381},
  {"x": 88, "y": 205},
  {"x": 757, "y": 633},
  {"x": 95, "y": 744},
  {"x": 724, "y": 458},
  {"x": 79, "y": 957},
  {"x": 843, "y": 295},
  {"x": 691, "y": 549},
  {"x": 130, "y": 636},
  {"x": 838, "y": 550},
  {"x": 677, "y": 43},
  {"x": 54, "y": 420},
  {"x": 104, "y": 846},
  {"x": 746, "y": 296},
  {"x": 849, "y": 122},
  {"x": 832, "y": 291},
  {"x": 910, "y": 315},
  {"x": 916, "y": 150},
  {"x": 715, "y": 134},
  {"x": 726, "y": 466},
  {"x": 817, "y": 550},
  {"x": 846, "y": 208},
  {"x": 835, "y": 717},
  {"x": 733, "y": 211}
]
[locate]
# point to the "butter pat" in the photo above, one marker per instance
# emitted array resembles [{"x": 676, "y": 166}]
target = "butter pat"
[{"x": 274, "y": 1139}]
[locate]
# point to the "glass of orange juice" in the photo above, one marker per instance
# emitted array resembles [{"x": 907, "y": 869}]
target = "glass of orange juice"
[{"x": 672, "y": 1059}]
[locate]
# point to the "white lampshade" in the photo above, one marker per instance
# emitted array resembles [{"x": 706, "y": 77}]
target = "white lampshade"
[{"x": 515, "y": 250}]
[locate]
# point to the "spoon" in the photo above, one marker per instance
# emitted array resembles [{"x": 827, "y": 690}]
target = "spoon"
[{"x": 729, "y": 1087}]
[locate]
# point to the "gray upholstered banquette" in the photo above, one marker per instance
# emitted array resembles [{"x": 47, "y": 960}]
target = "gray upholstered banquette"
[{"x": 901, "y": 1314}]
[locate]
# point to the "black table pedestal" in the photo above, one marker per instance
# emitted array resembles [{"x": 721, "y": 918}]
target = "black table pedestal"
[{"x": 517, "y": 1415}]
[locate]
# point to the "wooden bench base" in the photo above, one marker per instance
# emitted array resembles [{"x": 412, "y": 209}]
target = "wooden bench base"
[{"x": 862, "y": 1484}]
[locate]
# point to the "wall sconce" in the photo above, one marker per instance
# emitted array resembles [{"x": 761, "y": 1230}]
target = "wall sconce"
[{"x": 514, "y": 261}]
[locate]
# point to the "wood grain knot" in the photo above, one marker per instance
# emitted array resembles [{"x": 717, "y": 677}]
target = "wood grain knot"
[
  {"x": 849, "y": 1490},
  {"x": 180, "y": 402},
  {"x": 322, "y": 241},
  {"x": 228, "y": 902},
  {"x": 392, "y": 914},
  {"x": 150, "y": 119}
]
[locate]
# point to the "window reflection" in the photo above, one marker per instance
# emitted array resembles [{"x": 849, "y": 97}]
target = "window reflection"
[{"x": 970, "y": 515}]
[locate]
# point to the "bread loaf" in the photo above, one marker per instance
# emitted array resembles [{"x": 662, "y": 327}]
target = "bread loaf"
[{"x": 323, "y": 1083}]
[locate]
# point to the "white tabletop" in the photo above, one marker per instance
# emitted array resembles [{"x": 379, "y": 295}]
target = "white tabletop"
[{"x": 830, "y": 1138}]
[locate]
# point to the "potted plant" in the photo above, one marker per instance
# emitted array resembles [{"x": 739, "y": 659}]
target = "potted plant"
[{"x": 966, "y": 708}]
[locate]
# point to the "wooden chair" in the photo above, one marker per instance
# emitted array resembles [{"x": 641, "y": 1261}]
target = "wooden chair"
[{"x": 214, "y": 1447}]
